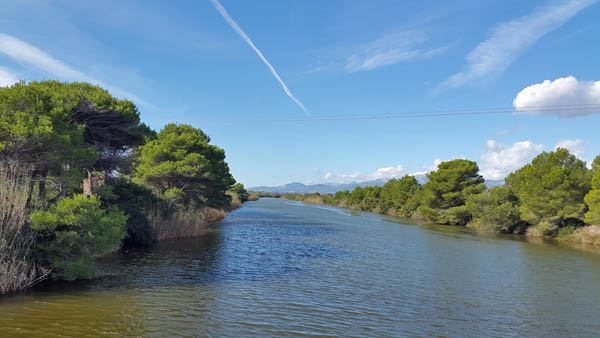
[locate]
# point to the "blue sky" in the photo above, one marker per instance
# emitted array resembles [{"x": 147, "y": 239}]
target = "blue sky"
[{"x": 536, "y": 62}]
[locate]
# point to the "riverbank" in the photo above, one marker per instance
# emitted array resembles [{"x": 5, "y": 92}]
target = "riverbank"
[
  {"x": 586, "y": 237},
  {"x": 94, "y": 178},
  {"x": 191, "y": 224}
]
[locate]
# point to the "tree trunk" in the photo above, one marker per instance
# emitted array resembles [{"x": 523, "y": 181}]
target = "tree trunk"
[
  {"x": 30, "y": 193},
  {"x": 42, "y": 186}
]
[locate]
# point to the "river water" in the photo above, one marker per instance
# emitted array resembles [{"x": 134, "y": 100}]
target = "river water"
[{"x": 283, "y": 268}]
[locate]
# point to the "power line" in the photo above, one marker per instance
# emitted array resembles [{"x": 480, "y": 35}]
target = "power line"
[{"x": 583, "y": 109}]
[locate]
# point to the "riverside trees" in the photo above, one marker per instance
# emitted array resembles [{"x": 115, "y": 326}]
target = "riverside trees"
[
  {"x": 447, "y": 190},
  {"x": 548, "y": 197},
  {"x": 61, "y": 129},
  {"x": 57, "y": 133},
  {"x": 592, "y": 199},
  {"x": 551, "y": 190},
  {"x": 181, "y": 164}
]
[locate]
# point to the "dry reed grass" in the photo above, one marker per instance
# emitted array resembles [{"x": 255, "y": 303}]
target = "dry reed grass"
[
  {"x": 18, "y": 270},
  {"x": 589, "y": 235},
  {"x": 185, "y": 224}
]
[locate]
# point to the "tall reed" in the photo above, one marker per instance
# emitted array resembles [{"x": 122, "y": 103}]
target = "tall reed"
[
  {"x": 185, "y": 223},
  {"x": 18, "y": 269}
]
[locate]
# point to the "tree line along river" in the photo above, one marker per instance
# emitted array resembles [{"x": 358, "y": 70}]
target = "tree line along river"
[{"x": 283, "y": 268}]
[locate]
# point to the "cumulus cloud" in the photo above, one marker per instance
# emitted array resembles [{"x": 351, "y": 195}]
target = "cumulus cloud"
[
  {"x": 498, "y": 160},
  {"x": 509, "y": 39},
  {"x": 391, "y": 49},
  {"x": 563, "y": 97},
  {"x": 575, "y": 147},
  {"x": 33, "y": 57},
  {"x": 7, "y": 78}
]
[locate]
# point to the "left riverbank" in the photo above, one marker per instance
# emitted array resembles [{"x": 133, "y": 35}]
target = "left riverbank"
[{"x": 82, "y": 176}]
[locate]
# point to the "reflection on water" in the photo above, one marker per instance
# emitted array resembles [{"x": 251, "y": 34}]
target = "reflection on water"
[{"x": 275, "y": 268}]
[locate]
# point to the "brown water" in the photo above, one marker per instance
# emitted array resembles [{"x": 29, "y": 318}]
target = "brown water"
[{"x": 282, "y": 268}]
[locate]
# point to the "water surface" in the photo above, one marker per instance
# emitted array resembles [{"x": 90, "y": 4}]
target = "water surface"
[{"x": 283, "y": 268}]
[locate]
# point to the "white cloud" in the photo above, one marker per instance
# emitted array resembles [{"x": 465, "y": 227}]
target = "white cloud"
[
  {"x": 575, "y": 147},
  {"x": 391, "y": 49},
  {"x": 29, "y": 55},
  {"x": 385, "y": 173},
  {"x": 35, "y": 58},
  {"x": 563, "y": 97},
  {"x": 7, "y": 78},
  {"x": 245, "y": 37},
  {"x": 500, "y": 160},
  {"x": 429, "y": 169},
  {"x": 509, "y": 39},
  {"x": 381, "y": 173}
]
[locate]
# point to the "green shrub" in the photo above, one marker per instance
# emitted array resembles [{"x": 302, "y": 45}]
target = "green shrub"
[
  {"x": 75, "y": 231},
  {"x": 241, "y": 192},
  {"x": 459, "y": 215},
  {"x": 544, "y": 229},
  {"x": 566, "y": 231},
  {"x": 495, "y": 209}
]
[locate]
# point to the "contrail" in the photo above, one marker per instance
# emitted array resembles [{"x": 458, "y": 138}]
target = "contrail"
[{"x": 243, "y": 35}]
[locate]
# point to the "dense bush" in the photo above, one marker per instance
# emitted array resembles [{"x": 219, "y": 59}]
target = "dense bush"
[
  {"x": 136, "y": 202},
  {"x": 74, "y": 232},
  {"x": 395, "y": 193},
  {"x": 240, "y": 191},
  {"x": 496, "y": 209}
]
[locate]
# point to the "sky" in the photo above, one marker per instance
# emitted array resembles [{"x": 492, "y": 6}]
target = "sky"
[{"x": 332, "y": 91}]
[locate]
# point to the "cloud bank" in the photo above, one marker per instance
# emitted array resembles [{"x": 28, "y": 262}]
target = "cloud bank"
[
  {"x": 245, "y": 37},
  {"x": 391, "y": 49},
  {"x": 381, "y": 173},
  {"x": 385, "y": 173},
  {"x": 498, "y": 160},
  {"x": 509, "y": 39},
  {"x": 563, "y": 97}
]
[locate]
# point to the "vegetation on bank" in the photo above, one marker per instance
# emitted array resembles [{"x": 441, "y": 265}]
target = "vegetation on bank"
[
  {"x": 169, "y": 184},
  {"x": 554, "y": 196}
]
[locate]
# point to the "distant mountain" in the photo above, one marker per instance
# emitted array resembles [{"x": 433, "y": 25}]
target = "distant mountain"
[
  {"x": 323, "y": 188},
  {"x": 332, "y": 188}
]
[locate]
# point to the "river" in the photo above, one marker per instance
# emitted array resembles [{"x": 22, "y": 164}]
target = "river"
[{"x": 283, "y": 268}]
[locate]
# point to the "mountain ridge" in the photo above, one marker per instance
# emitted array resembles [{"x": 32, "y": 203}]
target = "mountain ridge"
[{"x": 332, "y": 188}]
